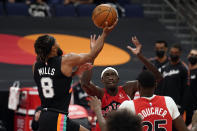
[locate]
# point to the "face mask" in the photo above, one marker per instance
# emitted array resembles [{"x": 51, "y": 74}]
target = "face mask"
[
  {"x": 192, "y": 60},
  {"x": 59, "y": 52},
  {"x": 160, "y": 53},
  {"x": 174, "y": 58}
]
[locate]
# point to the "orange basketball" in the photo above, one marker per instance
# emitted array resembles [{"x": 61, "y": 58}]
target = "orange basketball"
[{"x": 103, "y": 13}]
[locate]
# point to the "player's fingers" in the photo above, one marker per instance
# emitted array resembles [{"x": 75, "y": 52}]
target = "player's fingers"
[
  {"x": 94, "y": 37},
  {"x": 106, "y": 24},
  {"x": 130, "y": 48}
]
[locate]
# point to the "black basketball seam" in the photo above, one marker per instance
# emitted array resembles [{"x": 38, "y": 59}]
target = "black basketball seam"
[
  {"x": 106, "y": 17},
  {"x": 99, "y": 13},
  {"x": 112, "y": 17}
]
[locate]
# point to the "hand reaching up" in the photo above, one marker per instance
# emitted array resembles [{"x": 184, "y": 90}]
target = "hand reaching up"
[
  {"x": 95, "y": 104},
  {"x": 137, "y": 44}
]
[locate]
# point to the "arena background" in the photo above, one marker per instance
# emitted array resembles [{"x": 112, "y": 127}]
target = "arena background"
[{"x": 147, "y": 30}]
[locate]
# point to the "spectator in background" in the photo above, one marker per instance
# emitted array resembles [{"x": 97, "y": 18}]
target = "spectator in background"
[
  {"x": 175, "y": 75},
  {"x": 21, "y": 1},
  {"x": 191, "y": 96},
  {"x": 39, "y": 9},
  {"x": 161, "y": 48},
  {"x": 115, "y": 3},
  {"x": 161, "y": 59}
]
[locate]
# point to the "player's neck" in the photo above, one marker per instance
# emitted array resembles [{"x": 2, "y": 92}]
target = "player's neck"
[
  {"x": 112, "y": 91},
  {"x": 147, "y": 93},
  {"x": 161, "y": 60},
  {"x": 174, "y": 63}
]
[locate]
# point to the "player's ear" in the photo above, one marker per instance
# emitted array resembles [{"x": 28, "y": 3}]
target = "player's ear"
[{"x": 54, "y": 50}]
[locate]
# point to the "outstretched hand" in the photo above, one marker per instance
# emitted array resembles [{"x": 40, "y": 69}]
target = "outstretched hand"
[
  {"x": 94, "y": 103},
  {"x": 108, "y": 29},
  {"x": 137, "y": 44}
]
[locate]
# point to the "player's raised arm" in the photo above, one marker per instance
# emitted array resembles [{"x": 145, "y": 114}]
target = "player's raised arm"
[
  {"x": 89, "y": 87},
  {"x": 137, "y": 51},
  {"x": 130, "y": 87},
  {"x": 71, "y": 60},
  {"x": 95, "y": 105}
]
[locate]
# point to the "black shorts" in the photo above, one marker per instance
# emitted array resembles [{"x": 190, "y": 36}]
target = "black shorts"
[{"x": 53, "y": 121}]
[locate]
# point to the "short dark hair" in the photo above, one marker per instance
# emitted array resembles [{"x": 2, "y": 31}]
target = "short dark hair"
[
  {"x": 43, "y": 46},
  {"x": 146, "y": 79},
  {"x": 123, "y": 120},
  {"x": 177, "y": 46},
  {"x": 162, "y": 41}
]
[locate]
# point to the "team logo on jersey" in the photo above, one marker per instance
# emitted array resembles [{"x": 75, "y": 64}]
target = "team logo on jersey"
[
  {"x": 170, "y": 73},
  {"x": 121, "y": 96},
  {"x": 112, "y": 106}
]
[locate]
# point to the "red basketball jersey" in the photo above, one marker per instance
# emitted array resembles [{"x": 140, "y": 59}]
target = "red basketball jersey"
[
  {"x": 154, "y": 113},
  {"x": 110, "y": 103}
]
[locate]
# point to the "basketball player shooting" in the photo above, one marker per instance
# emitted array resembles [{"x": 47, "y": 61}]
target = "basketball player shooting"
[{"x": 53, "y": 76}]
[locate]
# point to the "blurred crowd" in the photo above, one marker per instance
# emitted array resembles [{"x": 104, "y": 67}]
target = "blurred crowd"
[{"x": 41, "y": 8}]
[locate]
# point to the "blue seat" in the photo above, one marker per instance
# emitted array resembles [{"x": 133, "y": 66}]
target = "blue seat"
[
  {"x": 65, "y": 10},
  {"x": 1, "y": 8},
  {"x": 85, "y": 9},
  {"x": 55, "y": 2},
  {"x": 124, "y": 2},
  {"x": 17, "y": 9},
  {"x": 134, "y": 10}
]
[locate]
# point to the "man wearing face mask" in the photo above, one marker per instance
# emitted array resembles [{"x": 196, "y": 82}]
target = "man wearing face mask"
[
  {"x": 161, "y": 59},
  {"x": 191, "y": 96},
  {"x": 175, "y": 76}
]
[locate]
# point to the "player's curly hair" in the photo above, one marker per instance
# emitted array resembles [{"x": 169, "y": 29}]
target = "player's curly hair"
[
  {"x": 43, "y": 47},
  {"x": 123, "y": 120}
]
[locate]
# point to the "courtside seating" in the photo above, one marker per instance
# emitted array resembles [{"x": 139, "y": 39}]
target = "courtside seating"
[
  {"x": 134, "y": 10},
  {"x": 85, "y": 9},
  {"x": 65, "y": 10},
  {"x": 17, "y": 9}
]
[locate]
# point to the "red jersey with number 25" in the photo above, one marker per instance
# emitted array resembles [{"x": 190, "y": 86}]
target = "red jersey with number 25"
[{"x": 154, "y": 113}]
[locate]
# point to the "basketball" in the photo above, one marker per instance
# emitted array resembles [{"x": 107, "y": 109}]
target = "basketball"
[{"x": 103, "y": 13}]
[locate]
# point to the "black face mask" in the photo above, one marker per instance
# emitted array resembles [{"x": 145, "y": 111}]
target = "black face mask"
[
  {"x": 160, "y": 53},
  {"x": 59, "y": 52},
  {"x": 192, "y": 60},
  {"x": 174, "y": 58}
]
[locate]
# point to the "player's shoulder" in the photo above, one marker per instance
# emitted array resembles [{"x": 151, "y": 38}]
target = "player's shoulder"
[
  {"x": 126, "y": 103},
  {"x": 68, "y": 57},
  {"x": 168, "y": 99}
]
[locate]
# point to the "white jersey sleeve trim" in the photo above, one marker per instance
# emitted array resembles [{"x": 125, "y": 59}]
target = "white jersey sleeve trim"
[
  {"x": 172, "y": 108},
  {"x": 129, "y": 105}
]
